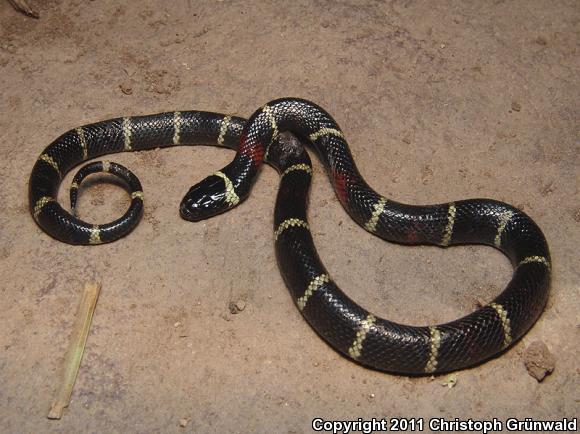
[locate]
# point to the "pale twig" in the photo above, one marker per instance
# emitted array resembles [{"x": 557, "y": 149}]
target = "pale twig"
[
  {"x": 25, "y": 8},
  {"x": 76, "y": 348}
]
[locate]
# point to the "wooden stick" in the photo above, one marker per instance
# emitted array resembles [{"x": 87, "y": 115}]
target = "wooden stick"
[
  {"x": 25, "y": 8},
  {"x": 76, "y": 349}
]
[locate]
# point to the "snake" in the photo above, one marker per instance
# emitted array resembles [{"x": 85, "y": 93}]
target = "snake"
[{"x": 276, "y": 134}]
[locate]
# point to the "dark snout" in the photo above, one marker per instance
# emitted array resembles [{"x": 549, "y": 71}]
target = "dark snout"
[{"x": 205, "y": 199}]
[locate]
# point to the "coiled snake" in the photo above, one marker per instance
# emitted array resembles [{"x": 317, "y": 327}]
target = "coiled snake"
[{"x": 347, "y": 327}]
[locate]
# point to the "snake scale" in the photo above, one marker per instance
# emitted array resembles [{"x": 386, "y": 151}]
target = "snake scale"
[{"x": 350, "y": 329}]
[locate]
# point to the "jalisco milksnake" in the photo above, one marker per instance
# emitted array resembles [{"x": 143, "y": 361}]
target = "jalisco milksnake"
[{"x": 347, "y": 327}]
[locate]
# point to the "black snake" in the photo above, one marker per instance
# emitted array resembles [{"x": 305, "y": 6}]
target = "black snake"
[{"x": 347, "y": 327}]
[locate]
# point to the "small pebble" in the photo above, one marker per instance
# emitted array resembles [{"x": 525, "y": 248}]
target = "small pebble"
[
  {"x": 480, "y": 302},
  {"x": 183, "y": 422},
  {"x": 236, "y": 307},
  {"x": 516, "y": 106},
  {"x": 450, "y": 381},
  {"x": 538, "y": 360},
  {"x": 126, "y": 89}
]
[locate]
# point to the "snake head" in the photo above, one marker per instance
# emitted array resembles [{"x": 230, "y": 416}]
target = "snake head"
[{"x": 205, "y": 199}]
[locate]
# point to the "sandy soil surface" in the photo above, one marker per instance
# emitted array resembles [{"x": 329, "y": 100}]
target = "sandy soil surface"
[{"x": 439, "y": 100}]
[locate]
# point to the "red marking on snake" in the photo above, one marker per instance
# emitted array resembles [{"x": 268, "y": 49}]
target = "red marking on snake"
[
  {"x": 340, "y": 181},
  {"x": 417, "y": 233},
  {"x": 254, "y": 151},
  {"x": 412, "y": 236}
]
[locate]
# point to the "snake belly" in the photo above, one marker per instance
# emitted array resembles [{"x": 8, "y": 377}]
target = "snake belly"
[{"x": 349, "y": 328}]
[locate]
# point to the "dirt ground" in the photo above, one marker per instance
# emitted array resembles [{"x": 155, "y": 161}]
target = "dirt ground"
[{"x": 439, "y": 100}]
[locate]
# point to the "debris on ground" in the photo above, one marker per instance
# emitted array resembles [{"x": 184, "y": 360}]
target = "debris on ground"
[
  {"x": 450, "y": 381},
  {"x": 25, "y": 8},
  {"x": 236, "y": 306},
  {"x": 76, "y": 348},
  {"x": 126, "y": 88},
  {"x": 539, "y": 361}
]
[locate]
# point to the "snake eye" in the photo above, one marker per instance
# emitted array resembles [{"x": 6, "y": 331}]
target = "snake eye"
[{"x": 205, "y": 199}]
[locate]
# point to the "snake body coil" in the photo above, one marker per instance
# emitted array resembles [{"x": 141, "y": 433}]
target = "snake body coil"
[{"x": 347, "y": 327}]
